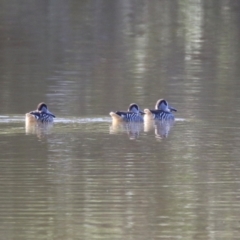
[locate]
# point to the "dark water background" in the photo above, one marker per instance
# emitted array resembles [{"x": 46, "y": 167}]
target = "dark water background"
[{"x": 84, "y": 178}]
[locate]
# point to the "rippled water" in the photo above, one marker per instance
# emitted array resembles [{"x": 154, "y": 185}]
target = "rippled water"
[{"x": 86, "y": 178}]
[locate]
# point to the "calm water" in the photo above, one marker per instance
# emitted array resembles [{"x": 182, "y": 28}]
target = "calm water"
[{"x": 84, "y": 178}]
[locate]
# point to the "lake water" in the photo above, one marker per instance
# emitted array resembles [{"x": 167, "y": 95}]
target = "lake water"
[{"x": 85, "y": 178}]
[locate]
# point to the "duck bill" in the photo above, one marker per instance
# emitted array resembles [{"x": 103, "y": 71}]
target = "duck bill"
[
  {"x": 50, "y": 113},
  {"x": 141, "y": 111},
  {"x": 172, "y": 109}
]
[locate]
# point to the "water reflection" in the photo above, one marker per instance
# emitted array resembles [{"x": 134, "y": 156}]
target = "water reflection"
[
  {"x": 161, "y": 128},
  {"x": 40, "y": 129},
  {"x": 133, "y": 129}
]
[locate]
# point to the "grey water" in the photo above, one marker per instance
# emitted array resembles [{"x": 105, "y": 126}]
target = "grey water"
[{"x": 86, "y": 178}]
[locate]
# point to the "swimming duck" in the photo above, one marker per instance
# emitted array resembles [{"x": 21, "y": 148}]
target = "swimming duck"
[
  {"x": 162, "y": 111},
  {"x": 134, "y": 114},
  {"x": 41, "y": 114}
]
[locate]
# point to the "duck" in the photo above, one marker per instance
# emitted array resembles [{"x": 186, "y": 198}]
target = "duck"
[
  {"x": 163, "y": 111},
  {"x": 133, "y": 114},
  {"x": 40, "y": 115}
]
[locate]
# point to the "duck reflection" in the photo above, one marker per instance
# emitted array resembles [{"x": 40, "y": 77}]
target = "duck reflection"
[
  {"x": 133, "y": 129},
  {"x": 40, "y": 129},
  {"x": 161, "y": 128}
]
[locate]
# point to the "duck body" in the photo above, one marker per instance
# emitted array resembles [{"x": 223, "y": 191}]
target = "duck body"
[
  {"x": 134, "y": 114},
  {"x": 163, "y": 111},
  {"x": 158, "y": 115},
  {"x": 40, "y": 115}
]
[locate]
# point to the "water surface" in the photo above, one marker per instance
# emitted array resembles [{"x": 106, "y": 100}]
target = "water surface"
[{"x": 85, "y": 178}]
